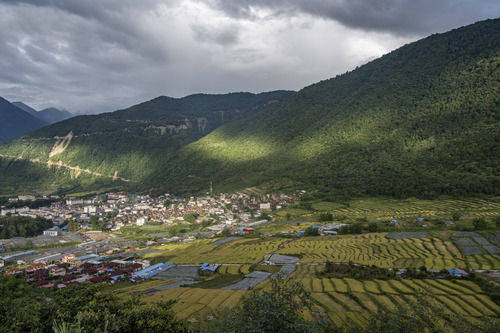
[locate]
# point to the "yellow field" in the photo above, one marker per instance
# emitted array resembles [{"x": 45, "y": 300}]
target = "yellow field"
[
  {"x": 240, "y": 251},
  {"x": 366, "y": 249},
  {"x": 343, "y": 300},
  {"x": 193, "y": 302},
  {"x": 375, "y": 249},
  {"x": 386, "y": 208}
]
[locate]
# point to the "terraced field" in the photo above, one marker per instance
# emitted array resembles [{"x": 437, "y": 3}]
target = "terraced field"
[
  {"x": 343, "y": 300},
  {"x": 380, "y": 208},
  {"x": 234, "y": 269},
  {"x": 197, "y": 302},
  {"x": 241, "y": 251},
  {"x": 367, "y": 249},
  {"x": 376, "y": 249}
]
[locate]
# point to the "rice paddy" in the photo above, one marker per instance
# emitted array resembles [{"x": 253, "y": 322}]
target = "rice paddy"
[
  {"x": 376, "y": 249},
  {"x": 346, "y": 300},
  {"x": 387, "y": 209},
  {"x": 343, "y": 300}
]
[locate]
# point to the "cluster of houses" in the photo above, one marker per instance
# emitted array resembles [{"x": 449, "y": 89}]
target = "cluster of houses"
[
  {"x": 71, "y": 269},
  {"x": 122, "y": 209}
]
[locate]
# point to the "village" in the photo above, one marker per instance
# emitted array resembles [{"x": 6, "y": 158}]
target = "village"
[
  {"x": 117, "y": 210},
  {"x": 82, "y": 244}
]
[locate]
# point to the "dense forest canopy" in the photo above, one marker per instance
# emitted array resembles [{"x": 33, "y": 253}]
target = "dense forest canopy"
[{"x": 21, "y": 226}]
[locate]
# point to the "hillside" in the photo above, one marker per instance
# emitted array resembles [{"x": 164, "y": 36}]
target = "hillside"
[
  {"x": 15, "y": 121},
  {"x": 120, "y": 148},
  {"x": 422, "y": 120}
]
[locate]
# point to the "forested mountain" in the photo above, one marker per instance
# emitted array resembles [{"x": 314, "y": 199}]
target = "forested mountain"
[
  {"x": 53, "y": 115},
  {"x": 422, "y": 120},
  {"x": 15, "y": 122},
  {"x": 120, "y": 148}
]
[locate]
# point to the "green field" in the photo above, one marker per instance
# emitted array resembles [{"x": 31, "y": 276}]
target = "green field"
[
  {"x": 388, "y": 209},
  {"x": 342, "y": 300},
  {"x": 345, "y": 300},
  {"x": 435, "y": 252}
]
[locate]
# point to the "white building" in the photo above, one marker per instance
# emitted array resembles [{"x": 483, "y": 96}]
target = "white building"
[
  {"x": 141, "y": 220},
  {"x": 90, "y": 209},
  {"x": 266, "y": 205},
  {"x": 71, "y": 202},
  {"x": 26, "y": 197},
  {"x": 53, "y": 232}
]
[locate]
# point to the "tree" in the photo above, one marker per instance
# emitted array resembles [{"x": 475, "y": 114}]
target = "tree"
[
  {"x": 324, "y": 217},
  {"x": 190, "y": 217},
  {"x": 497, "y": 221},
  {"x": 79, "y": 308},
  {"x": 372, "y": 227},
  {"x": 311, "y": 232},
  {"x": 73, "y": 226},
  {"x": 456, "y": 216},
  {"x": 479, "y": 223},
  {"x": 226, "y": 232}
]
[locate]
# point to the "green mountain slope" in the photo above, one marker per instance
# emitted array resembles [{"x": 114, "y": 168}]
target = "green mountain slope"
[
  {"x": 422, "y": 120},
  {"x": 15, "y": 121},
  {"x": 120, "y": 148}
]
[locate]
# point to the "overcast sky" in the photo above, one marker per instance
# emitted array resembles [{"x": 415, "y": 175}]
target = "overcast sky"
[{"x": 102, "y": 55}]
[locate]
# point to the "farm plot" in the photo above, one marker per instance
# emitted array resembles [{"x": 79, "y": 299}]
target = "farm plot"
[
  {"x": 343, "y": 301},
  {"x": 387, "y": 209},
  {"x": 471, "y": 243},
  {"x": 376, "y": 249},
  {"x": 358, "y": 299},
  {"x": 239, "y": 251},
  {"x": 194, "y": 302}
]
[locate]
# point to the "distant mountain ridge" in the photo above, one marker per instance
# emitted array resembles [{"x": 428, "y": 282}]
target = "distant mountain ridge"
[
  {"x": 53, "y": 115},
  {"x": 26, "y": 108},
  {"x": 48, "y": 115},
  {"x": 126, "y": 146},
  {"x": 15, "y": 121}
]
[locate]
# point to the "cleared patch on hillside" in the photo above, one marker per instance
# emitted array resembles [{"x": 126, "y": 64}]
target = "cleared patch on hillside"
[{"x": 61, "y": 144}]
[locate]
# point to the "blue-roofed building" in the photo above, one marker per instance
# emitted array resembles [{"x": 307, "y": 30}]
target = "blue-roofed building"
[
  {"x": 151, "y": 271},
  {"x": 87, "y": 256},
  {"x": 457, "y": 272}
]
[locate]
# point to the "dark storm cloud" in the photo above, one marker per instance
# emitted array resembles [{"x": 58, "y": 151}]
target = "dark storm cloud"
[
  {"x": 101, "y": 55},
  {"x": 394, "y": 16}
]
